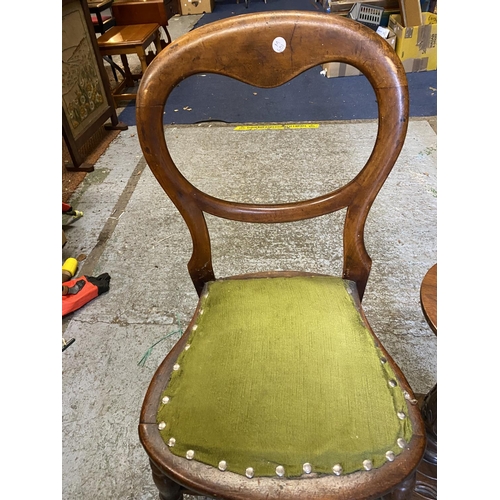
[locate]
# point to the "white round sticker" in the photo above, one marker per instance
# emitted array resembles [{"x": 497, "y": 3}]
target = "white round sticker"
[{"x": 279, "y": 44}]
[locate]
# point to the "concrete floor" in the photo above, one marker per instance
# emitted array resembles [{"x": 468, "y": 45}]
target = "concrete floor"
[{"x": 132, "y": 231}]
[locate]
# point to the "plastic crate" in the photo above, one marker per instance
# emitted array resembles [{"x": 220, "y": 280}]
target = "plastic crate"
[{"x": 369, "y": 15}]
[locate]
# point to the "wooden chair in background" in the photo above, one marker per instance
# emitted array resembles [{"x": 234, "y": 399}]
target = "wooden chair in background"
[
  {"x": 103, "y": 20},
  {"x": 127, "y": 12},
  {"x": 131, "y": 22},
  {"x": 279, "y": 388},
  {"x": 124, "y": 40},
  {"x": 101, "y": 15}
]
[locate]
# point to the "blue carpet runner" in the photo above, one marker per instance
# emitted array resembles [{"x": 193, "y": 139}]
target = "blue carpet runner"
[{"x": 308, "y": 97}]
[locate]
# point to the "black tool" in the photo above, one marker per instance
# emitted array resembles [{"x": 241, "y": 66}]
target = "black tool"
[{"x": 66, "y": 344}]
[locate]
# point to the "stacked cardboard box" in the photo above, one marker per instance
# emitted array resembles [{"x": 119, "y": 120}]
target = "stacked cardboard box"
[
  {"x": 336, "y": 69},
  {"x": 416, "y": 46},
  {"x": 412, "y": 34},
  {"x": 196, "y": 6}
]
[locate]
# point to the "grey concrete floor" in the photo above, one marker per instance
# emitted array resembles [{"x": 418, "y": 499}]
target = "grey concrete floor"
[{"x": 132, "y": 231}]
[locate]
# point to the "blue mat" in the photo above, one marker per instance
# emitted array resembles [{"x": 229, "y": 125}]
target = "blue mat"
[
  {"x": 308, "y": 97},
  {"x": 229, "y": 8}
]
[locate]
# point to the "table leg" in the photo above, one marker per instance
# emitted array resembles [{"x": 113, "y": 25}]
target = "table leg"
[
  {"x": 429, "y": 412},
  {"x": 129, "y": 80},
  {"x": 158, "y": 42},
  {"x": 142, "y": 56},
  {"x": 167, "y": 34},
  {"x": 426, "y": 484}
]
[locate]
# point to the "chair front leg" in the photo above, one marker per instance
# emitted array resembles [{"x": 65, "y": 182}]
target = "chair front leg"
[{"x": 168, "y": 489}]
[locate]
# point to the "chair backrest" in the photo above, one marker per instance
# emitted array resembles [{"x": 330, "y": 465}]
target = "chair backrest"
[{"x": 268, "y": 50}]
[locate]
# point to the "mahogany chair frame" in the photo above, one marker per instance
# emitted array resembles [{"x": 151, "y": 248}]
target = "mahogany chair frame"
[{"x": 242, "y": 48}]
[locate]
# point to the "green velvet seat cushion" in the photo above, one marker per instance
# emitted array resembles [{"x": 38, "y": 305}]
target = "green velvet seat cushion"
[{"x": 283, "y": 372}]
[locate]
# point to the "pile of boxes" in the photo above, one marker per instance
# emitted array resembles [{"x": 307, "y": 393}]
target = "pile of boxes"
[
  {"x": 416, "y": 45},
  {"x": 196, "y": 6},
  {"x": 412, "y": 33}
]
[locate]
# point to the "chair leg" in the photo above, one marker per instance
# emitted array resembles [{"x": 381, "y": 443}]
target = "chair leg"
[
  {"x": 129, "y": 80},
  {"x": 109, "y": 60},
  {"x": 168, "y": 489},
  {"x": 167, "y": 34},
  {"x": 405, "y": 490}
]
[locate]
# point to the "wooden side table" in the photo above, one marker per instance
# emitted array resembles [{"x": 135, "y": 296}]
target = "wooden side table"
[
  {"x": 128, "y": 12},
  {"x": 426, "y": 486},
  {"x": 123, "y": 40}
]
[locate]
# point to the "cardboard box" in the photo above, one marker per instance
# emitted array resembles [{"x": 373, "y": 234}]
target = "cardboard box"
[
  {"x": 196, "y": 6},
  {"x": 346, "y": 5},
  {"x": 411, "y": 12},
  {"x": 336, "y": 69},
  {"x": 416, "y": 46}
]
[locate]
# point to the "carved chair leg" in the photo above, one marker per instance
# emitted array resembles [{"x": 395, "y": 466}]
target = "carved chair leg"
[
  {"x": 405, "y": 490},
  {"x": 169, "y": 490}
]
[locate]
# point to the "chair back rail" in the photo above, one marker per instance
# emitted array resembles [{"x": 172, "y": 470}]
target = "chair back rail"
[{"x": 267, "y": 50}]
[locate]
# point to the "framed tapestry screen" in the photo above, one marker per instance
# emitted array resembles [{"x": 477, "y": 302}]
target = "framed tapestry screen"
[{"x": 86, "y": 97}]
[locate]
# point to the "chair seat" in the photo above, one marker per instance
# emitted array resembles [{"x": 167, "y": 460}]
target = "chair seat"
[
  {"x": 95, "y": 20},
  {"x": 316, "y": 393},
  {"x": 125, "y": 36}
]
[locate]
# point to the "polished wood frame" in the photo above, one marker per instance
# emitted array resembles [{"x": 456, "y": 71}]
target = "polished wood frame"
[{"x": 242, "y": 48}]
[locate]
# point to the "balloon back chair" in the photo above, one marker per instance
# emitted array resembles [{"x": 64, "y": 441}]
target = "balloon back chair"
[{"x": 279, "y": 388}]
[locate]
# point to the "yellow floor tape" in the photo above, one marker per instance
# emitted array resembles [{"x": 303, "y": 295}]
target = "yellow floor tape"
[{"x": 277, "y": 127}]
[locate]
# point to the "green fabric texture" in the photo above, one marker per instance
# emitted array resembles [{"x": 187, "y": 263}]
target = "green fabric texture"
[{"x": 282, "y": 371}]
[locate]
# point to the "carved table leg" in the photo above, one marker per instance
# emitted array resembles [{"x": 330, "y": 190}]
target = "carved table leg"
[
  {"x": 169, "y": 38},
  {"x": 169, "y": 490},
  {"x": 129, "y": 80},
  {"x": 429, "y": 412},
  {"x": 142, "y": 57},
  {"x": 426, "y": 486}
]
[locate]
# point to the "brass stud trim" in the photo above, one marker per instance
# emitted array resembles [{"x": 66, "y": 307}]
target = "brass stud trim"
[{"x": 367, "y": 464}]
